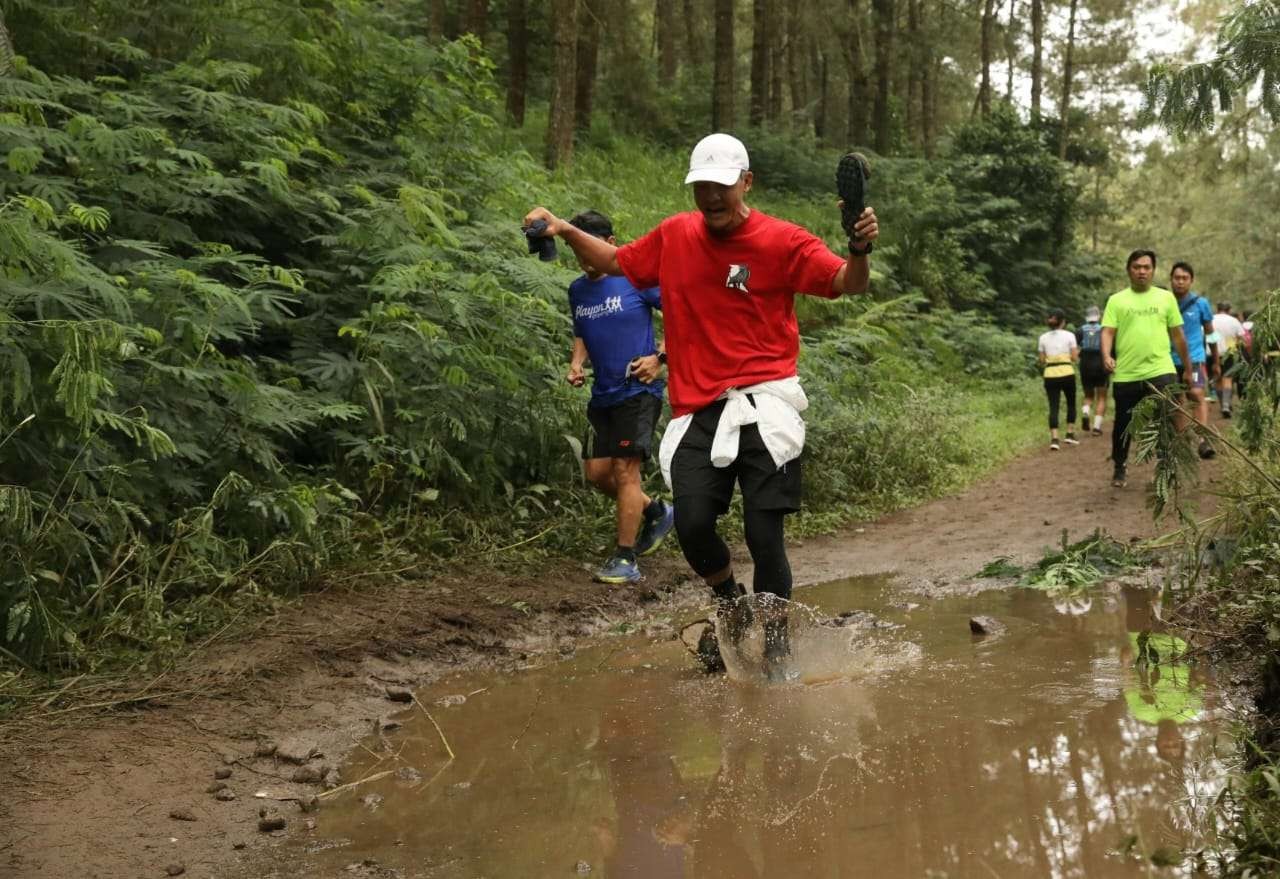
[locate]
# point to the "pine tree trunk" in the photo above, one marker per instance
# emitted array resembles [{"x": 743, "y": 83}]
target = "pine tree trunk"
[
  {"x": 915, "y": 52},
  {"x": 693, "y": 33},
  {"x": 822, "y": 76},
  {"x": 759, "y": 61},
  {"x": 517, "y": 59},
  {"x": 1011, "y": 50},
  {"x": 927, "y": 86},
  {"x": 588, "y": 54},
  {"x": 1068, "y": 72},
  {"x": 6, "y": 48},
  {"x": 1037, "y": 56},
  {"x": 884, "y": 16},
  {"x": 984, "y": 86},
  {"x": 723, "y": 79},
  {"x": 795, "y": 62},
  {"x": 564, "y": 17},
  {"x": 664, "y": 13},
  {"x": 435, "y": 19},
  {"x": 777, "y": 59},
  {"x": 477, "y": 19},
  {"x": 856, "y": 66}
]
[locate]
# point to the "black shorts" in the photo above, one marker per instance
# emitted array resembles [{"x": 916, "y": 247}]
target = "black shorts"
[
  {"x": 1092, "y": 373},
  {"x": 625, "y": 430},
  {"x": 764, "y": 485}
]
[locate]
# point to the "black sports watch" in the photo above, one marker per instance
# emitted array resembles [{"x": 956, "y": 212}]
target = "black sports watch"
[
  {"x": 662, "y": 357},
  {"x": 870, "y": 245}
]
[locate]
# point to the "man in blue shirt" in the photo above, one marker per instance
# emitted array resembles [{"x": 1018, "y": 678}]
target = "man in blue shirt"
[
  {"x": 1197, "y": 325},
  {"x": 613, "y": 328}
]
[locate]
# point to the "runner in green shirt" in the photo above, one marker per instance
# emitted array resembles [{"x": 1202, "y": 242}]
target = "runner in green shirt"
[{"x": 1139, "y": 323}]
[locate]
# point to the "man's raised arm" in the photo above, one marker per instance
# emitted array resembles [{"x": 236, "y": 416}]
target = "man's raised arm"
[
  {"x": 597, "y": 253},
  {"x": 855, "y": 276}
]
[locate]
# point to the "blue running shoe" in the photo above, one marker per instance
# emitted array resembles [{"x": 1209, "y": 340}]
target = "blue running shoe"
[
  {"x": 655, "y": 530},
  {"x": 618, "y": 570}
]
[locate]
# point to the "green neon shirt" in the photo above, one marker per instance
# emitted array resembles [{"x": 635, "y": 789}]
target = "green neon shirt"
[
  {"x": 1142, "y": 322},
  {"x": 1163, "y": 690}
]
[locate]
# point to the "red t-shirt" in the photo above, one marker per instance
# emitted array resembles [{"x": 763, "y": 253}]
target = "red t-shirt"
[{"x": 726, "y": 327}]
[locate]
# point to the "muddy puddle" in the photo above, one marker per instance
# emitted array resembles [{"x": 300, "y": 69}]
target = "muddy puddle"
[{"x": 1040, "y": 752}]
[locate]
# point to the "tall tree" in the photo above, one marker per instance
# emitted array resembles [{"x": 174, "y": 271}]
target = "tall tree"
[
  {"x": 915, "y": 72},
  {"x": 723, "y": 79},
  {"x": 1068, "y": 72},
  {"x": 857, "y": 120},
  {"x": 435, "y": 19},
  {"x": 564, "y": 63},
  {"x": 1011, "y": 50},
  {"x": 588, "y": 54},
  {"x": 797, "y": 76},
  {"x": 665, "y": 21},
  {"x": 477, "y": 19},
  {"x": 986, "y": 51},
  {"x": 822, "y": 75},
  {"x": 760, "y": 32},
  {"x": 884, "y": 17},
  {"x": 517, "y": 59},
  {"x": 693, "y": 29},
  {"x": 1037, "y": 55},
  {"x": 928, "y": 103},
  {"x": 777, "y": 59}
]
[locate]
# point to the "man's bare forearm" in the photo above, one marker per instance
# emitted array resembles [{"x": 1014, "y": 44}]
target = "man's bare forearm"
[
  {"x": 597, "y": 253},
  {"x": 854, "y": 277}
]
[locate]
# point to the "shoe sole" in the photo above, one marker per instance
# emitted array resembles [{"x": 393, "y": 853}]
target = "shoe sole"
[
  {"x": 617, "y": 581},
  {"x": 852, "y": 175}
]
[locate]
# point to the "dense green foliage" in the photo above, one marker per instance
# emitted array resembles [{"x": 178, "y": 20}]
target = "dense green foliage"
[
  {"x": 1229, "y": 582},
  {"x": 1187, "y": 98},
  {"x": 265, "y": 311}
]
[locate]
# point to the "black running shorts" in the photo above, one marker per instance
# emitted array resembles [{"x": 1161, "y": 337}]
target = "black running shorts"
[
  {"x": 764, "y": 485},
  {"x": 1092, "y": 373},
  {"x": 625, "y": 430}
]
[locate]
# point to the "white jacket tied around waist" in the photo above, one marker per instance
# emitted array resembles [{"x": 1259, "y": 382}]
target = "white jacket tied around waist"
[{"x": 776, "y": 414}]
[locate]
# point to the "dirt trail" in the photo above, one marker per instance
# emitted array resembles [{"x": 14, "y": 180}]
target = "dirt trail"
[{"x": 92, "y": 794}]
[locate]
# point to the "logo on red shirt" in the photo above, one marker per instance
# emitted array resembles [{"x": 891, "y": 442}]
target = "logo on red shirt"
[{"x": 738, "y": 277}]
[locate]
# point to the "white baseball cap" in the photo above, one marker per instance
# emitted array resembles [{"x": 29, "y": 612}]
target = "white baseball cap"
[{"x": 718, "y": 158}]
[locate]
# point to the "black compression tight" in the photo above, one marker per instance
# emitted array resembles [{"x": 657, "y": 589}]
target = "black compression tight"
[{"x": 707, "y": 553}]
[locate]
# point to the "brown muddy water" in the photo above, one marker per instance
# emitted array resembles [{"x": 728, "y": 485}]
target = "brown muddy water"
[{"x": 914, "y": 751}]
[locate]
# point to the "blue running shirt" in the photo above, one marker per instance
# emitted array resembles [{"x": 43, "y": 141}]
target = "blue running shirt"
[
  {"x": 1195, "y": 314},
  {"x": 615, "y": 322}
]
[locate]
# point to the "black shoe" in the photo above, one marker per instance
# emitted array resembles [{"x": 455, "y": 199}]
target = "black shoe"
[
  {"x": 1084, "y": 424},
  {"x": 1226, "y": 413},
  {"x": 736, "y": 618},
  {"x": 1206, "y": 450},
  {"x": 1119, "y": 478},
  {"x": 700, "y": 639},
  {"x": 852, "y": 175}
]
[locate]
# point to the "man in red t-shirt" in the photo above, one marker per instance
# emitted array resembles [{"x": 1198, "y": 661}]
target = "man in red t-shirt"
[{"x": 729, "y": 276}]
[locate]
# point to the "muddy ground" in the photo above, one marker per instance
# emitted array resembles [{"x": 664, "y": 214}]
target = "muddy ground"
[{"x": 91, "y": 791}]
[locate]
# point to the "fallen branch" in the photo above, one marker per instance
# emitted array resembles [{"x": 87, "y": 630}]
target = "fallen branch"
[
  {"x": 528, "y": 721},
  {"x": 350, "y": 784},
  {"x": 145, "y": 697},
  {"x": 436, "y": 725}
]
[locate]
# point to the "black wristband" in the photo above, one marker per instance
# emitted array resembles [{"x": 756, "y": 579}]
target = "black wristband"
[
  {"x": 662, "y": 357},
  {"x": 864, "y": 251}
]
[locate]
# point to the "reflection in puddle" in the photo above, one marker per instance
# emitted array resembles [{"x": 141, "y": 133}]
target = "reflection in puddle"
[{"x": 1047, "y": 751}]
